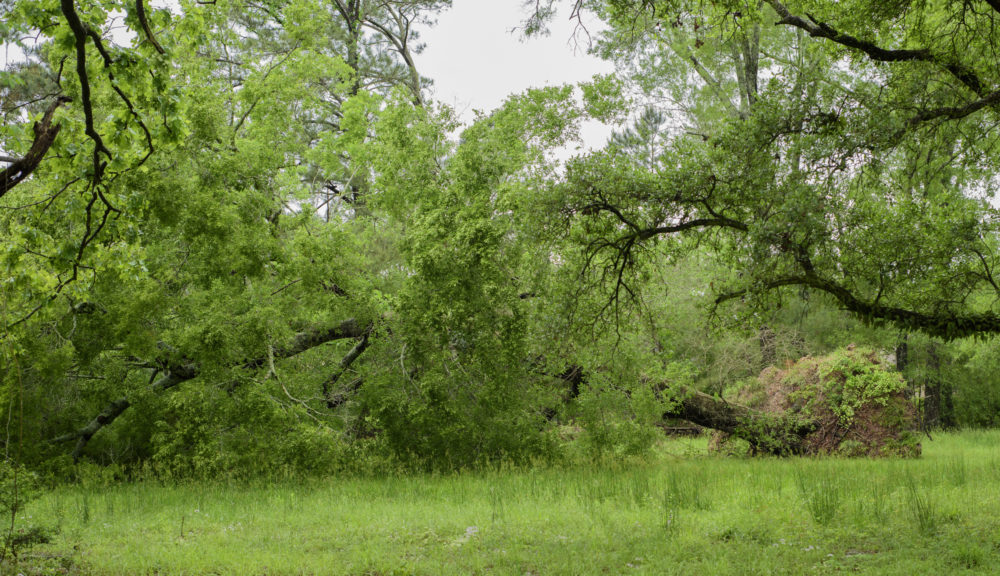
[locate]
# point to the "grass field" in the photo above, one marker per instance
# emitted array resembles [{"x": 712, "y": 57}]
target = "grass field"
[{"x": 685, "y": 513}]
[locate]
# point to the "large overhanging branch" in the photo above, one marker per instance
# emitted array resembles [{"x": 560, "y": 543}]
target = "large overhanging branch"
[
  {"x": 45, "y": 135},
  {"x": 957, "y": 112},
  {"x": 623, "y": 246},
  {"x": 945, "y": 325},
  {"x": 180, "y": 373},
  {"x": 822, "y": 30},
  {"x": 638, "y": 232}
]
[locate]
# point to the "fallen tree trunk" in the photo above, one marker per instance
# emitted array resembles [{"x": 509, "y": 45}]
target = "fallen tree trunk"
[
  {"x": 780, "y": 434},
  {"x": 116, "y": 408},
  {"x": 846, "y": 403},
  {"x": 180, "y": 373}
]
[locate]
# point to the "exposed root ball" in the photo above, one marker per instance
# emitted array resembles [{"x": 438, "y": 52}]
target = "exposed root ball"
[{"x": 858, "y": 405}]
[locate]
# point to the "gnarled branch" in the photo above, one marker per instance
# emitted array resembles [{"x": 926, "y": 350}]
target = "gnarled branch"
[
  {"x": 822, "y": 30},
  {"x": 944, "y": 325}
]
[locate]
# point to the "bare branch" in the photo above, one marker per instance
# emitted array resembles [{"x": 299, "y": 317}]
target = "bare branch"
[{"x": 338, "y": 399}]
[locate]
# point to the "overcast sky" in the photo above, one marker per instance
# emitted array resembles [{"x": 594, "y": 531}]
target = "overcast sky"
[{"x": 476, "y": 60}]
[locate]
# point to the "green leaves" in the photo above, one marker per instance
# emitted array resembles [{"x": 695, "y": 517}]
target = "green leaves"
[
  {"x": 603, "y": 98},
  {"x": 825, "y": 151}
]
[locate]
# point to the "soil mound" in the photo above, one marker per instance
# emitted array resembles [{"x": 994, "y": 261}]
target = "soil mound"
[{"x": 857, "y": 405}]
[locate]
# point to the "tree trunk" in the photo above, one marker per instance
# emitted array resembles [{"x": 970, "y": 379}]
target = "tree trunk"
[
  {"x": 770, "y": 433},
  {"x": 938, "y": 407},
  {"x": 932, "y": 391},
  {"x": 902, "y": 353},
  {"x": 354, "y": 21}
]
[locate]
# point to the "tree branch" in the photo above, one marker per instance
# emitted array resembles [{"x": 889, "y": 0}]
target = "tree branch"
[
  {"x": 80, "y": 41},
  {"x": 335, "y": 400},
  {"x": 944, "y": 325},
  {"x": 45, "y": 135},
  {"x": 399, "y": 43},
  {"x": 720, "y": 222},
  {"x": 956, "y": 112},
  {"x": 178, "y": 374},
  {"x": 823, "y": 30},
  {"x": 140, "y": 12}
]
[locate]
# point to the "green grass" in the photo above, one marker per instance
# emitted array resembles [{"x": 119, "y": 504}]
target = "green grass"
[{"x": 685, "y": 513}]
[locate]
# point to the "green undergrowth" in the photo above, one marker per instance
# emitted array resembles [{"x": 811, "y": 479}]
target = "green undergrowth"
[{"x": 682, "y": 513}]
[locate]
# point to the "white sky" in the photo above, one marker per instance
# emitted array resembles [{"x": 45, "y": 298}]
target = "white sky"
[{"x": 476, "y": 60}]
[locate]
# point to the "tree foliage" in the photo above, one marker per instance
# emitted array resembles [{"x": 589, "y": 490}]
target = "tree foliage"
[
  {"x": 240, "y": 236},
  {"x": 840, "y": 149}
]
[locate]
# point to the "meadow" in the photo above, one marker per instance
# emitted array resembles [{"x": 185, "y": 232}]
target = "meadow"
[{"x": 684, "y": 512}]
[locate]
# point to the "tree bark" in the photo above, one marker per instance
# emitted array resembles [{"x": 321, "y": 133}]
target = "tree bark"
[
  {"x": 45, "y": 135},
  {"x": 337, "y": 399}
]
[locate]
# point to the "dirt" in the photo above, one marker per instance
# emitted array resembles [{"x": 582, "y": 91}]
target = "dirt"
[{"x": 858, "y": 404}]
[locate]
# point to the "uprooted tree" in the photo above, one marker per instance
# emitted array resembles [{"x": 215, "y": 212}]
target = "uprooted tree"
[
  {"x": 843, "y": 151},
  {"x": 847, "y": 403}
]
